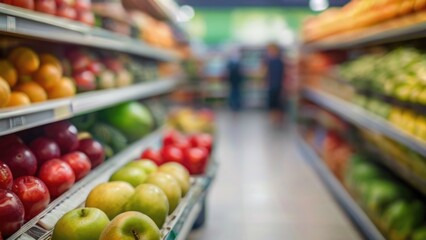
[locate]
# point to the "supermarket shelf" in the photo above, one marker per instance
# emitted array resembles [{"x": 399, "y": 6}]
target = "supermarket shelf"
[
  {"x": 17, "y": 119},
  {"x": 356, "y": 213},
  {"x": 364, "y": 119},
  {"x": 21, "y": 22},
  {"x": 366, "y": 37},
  {"x": 178, "y": 223}
]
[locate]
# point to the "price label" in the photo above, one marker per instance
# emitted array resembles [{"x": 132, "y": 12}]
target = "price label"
[
  {"x": 11, "y": 24},
  {"x": 17, "y": 122}
]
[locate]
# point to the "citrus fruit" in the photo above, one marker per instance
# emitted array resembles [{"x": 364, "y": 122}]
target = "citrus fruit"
[
  {"x": 49, "y": 58},
  {"x": 4, "y": 92},
  {"x": 18, "y": 99},
  {"x": 25, "y": 60},
  {"x": 8, "y": 72},
  {"x": 48, "y": 75},
  {"x": 64, "y": 88},
  {"x": 33, "y": 90}
]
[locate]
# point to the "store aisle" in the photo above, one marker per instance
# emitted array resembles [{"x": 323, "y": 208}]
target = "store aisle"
[{"x": 265, "y": 190}]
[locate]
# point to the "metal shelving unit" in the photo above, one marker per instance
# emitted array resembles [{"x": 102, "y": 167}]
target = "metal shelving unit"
[
  {"x": 367, "y": 37},
  {"x": 364, "y": 119},
  {"x": 17, "y": 119},
  {"x": 356, "y": 213},
  {"x": 20, "y": 22},
  {"x": 178, "y": 223}
]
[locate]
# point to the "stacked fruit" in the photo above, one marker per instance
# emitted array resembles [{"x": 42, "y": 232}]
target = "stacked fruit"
[
  {"x": 358, "y": 15},
  {"x": 191, "y": 151},
  {"x": 134, "y": 203},
  {"x": 32, "y": 78},
  {"x": 33, "y": 174},
  {"x": 91, "y": 71},
  {"x": 79, "y": 10},
  {"x": 189, "y": 120},
  {"x": 397, "y": 210}
]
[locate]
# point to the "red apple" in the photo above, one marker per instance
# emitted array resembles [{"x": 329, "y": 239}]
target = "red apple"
[
  {"x": 85, "y": 80},
  {"x": 86, "y": 17},
  {"x": 57, "y": 175},
  {"x": 44, "y": 149},
  {"x": 11, "y": 213},
  {"x": 172, "y": 154},
  {"x": 82, "y": 5},
  {"x": 182, "y": 144},
  {"x": 79, "y": 163},
  {"x": 33, "y": 193},
  {"x": 46, "y": 6},
  {"x": 94, "y": 150},
  {"x": 79, "y": 61},
  {"x": 202, "y": 140},
  {"x": 20, "y": 160},
  {"x": 64, "y": 134},
  {"x": 95, "y": 67},
  {"x": 11, "y": 139},
  {"x": 196, "y": 159},
  {"x": 113, "y": 64},
  {"x": 66, "y": 12},
  {"x": 152, "y": 155},
  {"x": 28, "y": 4},
  {"x": 6, "y": 177},
  {"x": 171, "y": 138},
  {"x": 64, "y": 2}
]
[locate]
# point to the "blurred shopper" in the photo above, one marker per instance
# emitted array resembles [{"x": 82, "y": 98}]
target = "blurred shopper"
[
  {"x": 235, "y": 78},
  {"x": 274, "y": 80}
]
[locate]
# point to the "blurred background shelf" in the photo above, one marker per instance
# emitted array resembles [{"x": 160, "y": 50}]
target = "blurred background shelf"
[
  {"x": 17, "y": 119},
  {"x": 360, "y": 218},
  {"x": 24, "y": 23},
  {"x": 406, "y": 28},
  {"x": 364, "y": 119}
]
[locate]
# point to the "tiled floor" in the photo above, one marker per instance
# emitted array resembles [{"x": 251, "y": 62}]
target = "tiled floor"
[{"x": 264, "y": 190}]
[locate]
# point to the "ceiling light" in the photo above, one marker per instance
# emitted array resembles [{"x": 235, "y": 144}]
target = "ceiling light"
[{"x": 318, "y": 5}]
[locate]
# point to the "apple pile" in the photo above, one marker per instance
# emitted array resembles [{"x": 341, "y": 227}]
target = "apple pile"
[
  {"x": 134, "y": 204},
  {"x": 33, "y": 174},
  {"x": 91, "y": 71},
  {"x": 191, "y": 151},
  {"x": 80, "y": 10}
]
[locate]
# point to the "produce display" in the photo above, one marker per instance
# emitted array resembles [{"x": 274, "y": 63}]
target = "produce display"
[
  {"x": 134, "y": 203},
  {"x": 396, "y": 209},
  {"x": 363, "y": 16},
  {"x": 78, "y": 10},
  {"x": 27, "y": 76},
  {"x": 189, "y": 120},
  {"x": 192, "y": 151}
]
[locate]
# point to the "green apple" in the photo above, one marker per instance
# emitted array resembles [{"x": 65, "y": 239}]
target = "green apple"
[
  {"x": 132, "y": 175},
  {"x": 169, "y": 185},
  {"x": 131, "y": 226},
  {"x": 179, "y": 172},
  {"x": 110, "y": 197},
  {"x": 82, "y": 224},
  {"x": 147, "y": 165},
  {"x": 150, "y": 200}
]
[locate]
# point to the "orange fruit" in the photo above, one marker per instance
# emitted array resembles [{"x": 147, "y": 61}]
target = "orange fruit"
[
  {"x": 4, "y": 92},
  {"x": 64, "y": 88},
  {"x": 49, "y": 58},
  {"x": 33, "y": 90},
  {"x": 18, "y": 99},
  {"x": 8, "y": 72},
  {"x": 48, "y": 75},
  {"x": 25, "y": 60}
]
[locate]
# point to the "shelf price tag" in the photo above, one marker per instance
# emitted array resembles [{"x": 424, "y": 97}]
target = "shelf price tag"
[
  {"x": 15, "y": 122},
  {"x": 11, "y": 24}
]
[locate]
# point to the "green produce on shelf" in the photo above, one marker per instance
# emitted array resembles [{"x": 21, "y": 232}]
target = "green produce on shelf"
[
  {"x": 133, "y": 119},
  {"x": 110, "y": 136},
  {"x": 84, "y": 122},
  {"x": 382, "y": 193},
  {"x": 403, "y": 217}
]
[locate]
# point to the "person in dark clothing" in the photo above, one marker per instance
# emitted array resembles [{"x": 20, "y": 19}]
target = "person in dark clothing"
[
  {"x": 235, "y": 78},
  {"x": 274, "y": 80}
]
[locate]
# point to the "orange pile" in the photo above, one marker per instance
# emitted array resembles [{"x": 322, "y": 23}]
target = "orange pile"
[{"x": 26, "y": 77}]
